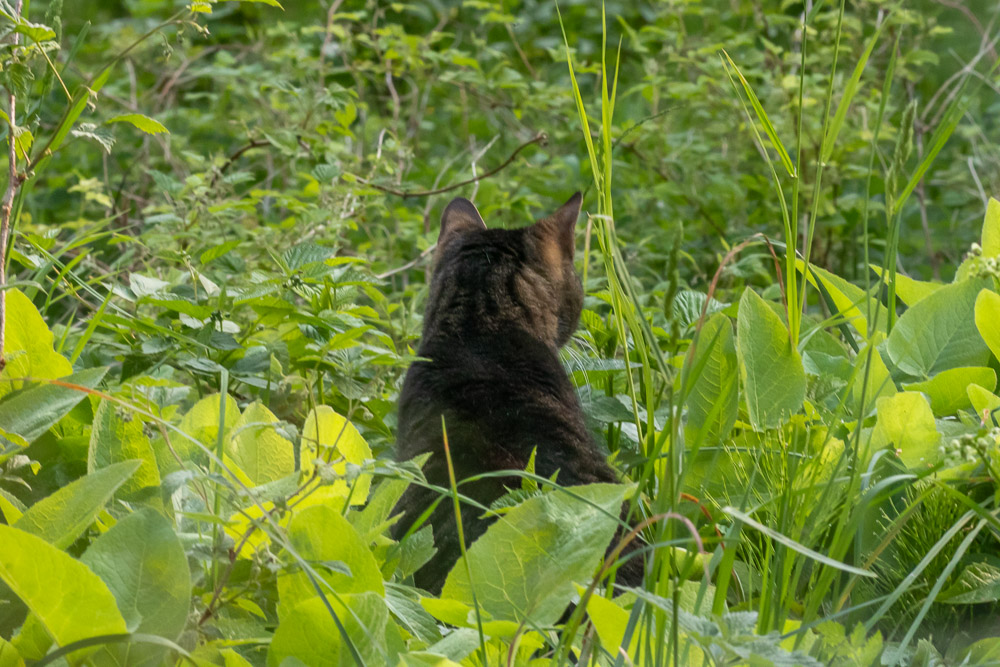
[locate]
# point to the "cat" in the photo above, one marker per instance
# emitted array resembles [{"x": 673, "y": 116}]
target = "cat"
[{"x": 501, "y": 304}]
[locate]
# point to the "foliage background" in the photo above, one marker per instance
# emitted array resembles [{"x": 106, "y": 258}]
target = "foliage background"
[{"x": 273, "y": 242}]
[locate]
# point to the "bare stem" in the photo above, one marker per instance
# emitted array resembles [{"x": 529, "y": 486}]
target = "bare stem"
[{"x": 14, "y": 181}]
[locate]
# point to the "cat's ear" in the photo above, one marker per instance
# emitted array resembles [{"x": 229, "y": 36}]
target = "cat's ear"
[
  {"x": 559, "y": 229},
  {"x": 459, "y": 216}
]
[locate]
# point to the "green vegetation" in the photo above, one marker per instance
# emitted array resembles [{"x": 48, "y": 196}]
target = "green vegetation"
[{"x": 220, "y": 223}]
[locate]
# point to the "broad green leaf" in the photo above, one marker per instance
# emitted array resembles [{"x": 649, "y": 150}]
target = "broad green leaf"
[
  {"x": 984, "y": 402},
  {"x": 144, "y": 123},
  {"x": 611, "y": 622},
  {"x": 329, "y": 436},
  {"x": 977, "y": 583},
  {"x": 321, "y": 535},
  {"x": 991, "y": 229},
  {"x": 879, "y": 380},
  {"x": 309, "y": 635},
  {"x": 770, "y": 366},
  {"x": 908, "y": 290},
  {"x": 947, "y": 390},
  {"x": 202, "y": 423},
  {"x": 63, "y": 516},
  {"x": 852, "y": 303},
  {"x": 11, "y": 509},
  {"x": 983, "y": 652},
  {"x": 218, "y": 251},
  {"x": 988, "y": 319},
  {"x": 68, "y": 599},
  {"x": 712, "y": 371},
  {"x": 32, "y": 412},
  {"x": 143, "y": 563},
  {"x": 119, "y": 435},
  {"x": 27, "y": 346},
  {"x": 257, "y": 448},
  {"x": 906, "y": 423},
  {"x": 9, "y": 657},
  {"x": 939, "y": 332},
  {"x": 524, "y": 566}
]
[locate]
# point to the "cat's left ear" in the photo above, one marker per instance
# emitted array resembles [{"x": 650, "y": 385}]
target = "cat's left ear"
[{"x": 559, "y": 228}]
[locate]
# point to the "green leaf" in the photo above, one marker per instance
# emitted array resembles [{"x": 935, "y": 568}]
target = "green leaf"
[
  {"x": 9, "y": 657},
  {"x": 984, "y": 402},
  {"x": 202, "y": 423},
  {"x": 27, "y": 347},
  {"x": 308, "y": 635},
  {"x": 257, "y": 449},
  {"x": 321, "y": 535},
  {"x": 850, "y": 90},
  {"x": 33, "y": 411},
  {"x": 144, "y": 565},
  {"x": 939, "y": 332},
  {"x": 525, "y": 565},
  {"x": 712, "y": 371},
  {"x": 977, "y": 583},
  {"x": 947, "y": 390},
  {"x": 879, "y": 380},
  {"x": 36, "y": 32},
  {"x": 63, "y": 516},
  {"x": 910, "y": 291},
  {"x": 101, "y": 135},
  {"x": 770, "y": 365},
  {"x": 119, "y": 435},
  {"x": 218, "y": 251},
  {"x": 272, "y": 3},
  {"x": 852, "y": 303},
  {"x": 144, "y": 123},
  {"x": 906, "y": 423},
  {"x": 66, "y": 597},
  {"x": 983, "y": 652},
  {"x": 762, "y": 116},
  {"x": 991, "y": 229},
  {"x": 329, "y": 436},
  {"x": 988, "y": 319}
]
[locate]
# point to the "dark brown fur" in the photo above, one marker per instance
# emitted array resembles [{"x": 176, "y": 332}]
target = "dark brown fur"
[{"x": 502, "y": 303}]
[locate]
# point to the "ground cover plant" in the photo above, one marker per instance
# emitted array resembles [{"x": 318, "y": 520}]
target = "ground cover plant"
[{"x": 218, "y": 220}]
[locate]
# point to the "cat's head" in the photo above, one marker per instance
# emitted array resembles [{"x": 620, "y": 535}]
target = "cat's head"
[{"x": 492, "y": 279}]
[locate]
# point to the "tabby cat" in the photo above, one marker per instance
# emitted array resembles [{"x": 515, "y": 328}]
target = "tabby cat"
[{"x": 502, "y": 303}]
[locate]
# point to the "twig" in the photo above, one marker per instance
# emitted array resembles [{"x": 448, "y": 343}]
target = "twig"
[
  {"x": 326, "y": 39},
  {"x": 409, "y": 265},
  {"x": 541, "y": 138},
  {"x": 256, "y": 143},
  {"x": 14, "y": 181}
]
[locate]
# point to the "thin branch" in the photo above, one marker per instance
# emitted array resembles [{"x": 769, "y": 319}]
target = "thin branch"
[
  {"x": 541, "y": 138},
  {"x": 256, "y": 143},
  {"x": 14, "y": 181}
]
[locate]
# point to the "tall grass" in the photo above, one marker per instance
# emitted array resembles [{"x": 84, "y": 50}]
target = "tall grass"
[{"x": 804, "y": 527}]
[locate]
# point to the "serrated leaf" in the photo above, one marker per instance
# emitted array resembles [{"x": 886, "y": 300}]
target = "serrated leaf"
[
  {"x": 36, "y": 32},
  {"x": 101, "y": 135},
  {"x": 144, "y": 123},
  {"x": 218, "y": 251},
  {"x": 63, "y": 516}
]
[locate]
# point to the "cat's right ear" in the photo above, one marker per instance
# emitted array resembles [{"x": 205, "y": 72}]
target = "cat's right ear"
[{"x": 459, "y": 216}]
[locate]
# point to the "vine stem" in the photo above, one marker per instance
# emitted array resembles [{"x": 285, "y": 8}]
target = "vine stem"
[{"x": 14, "y": 181}]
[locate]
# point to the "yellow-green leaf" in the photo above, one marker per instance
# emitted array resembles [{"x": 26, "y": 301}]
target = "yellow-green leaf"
[
  {"x": 27, "y": 345},
  {"x": 69, "y": 600},
  {"x": 988, "y": 319},
  {"x": 991, "y": 229},
  {"x": 257, "y": 448},
  {"x": 906, "y": 423},
  {"x": 947, "y": 390},
  {"x": 144, "y": 123}
]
